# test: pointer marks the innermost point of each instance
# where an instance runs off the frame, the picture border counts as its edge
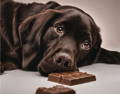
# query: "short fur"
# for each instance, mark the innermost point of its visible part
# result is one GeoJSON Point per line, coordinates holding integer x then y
{"type": "Point", "coordinates": [28, 40]}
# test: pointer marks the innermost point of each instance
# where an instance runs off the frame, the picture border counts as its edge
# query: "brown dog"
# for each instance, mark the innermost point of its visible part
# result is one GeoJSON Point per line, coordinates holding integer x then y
{"type": "Point", "coordinates": [49, 38]}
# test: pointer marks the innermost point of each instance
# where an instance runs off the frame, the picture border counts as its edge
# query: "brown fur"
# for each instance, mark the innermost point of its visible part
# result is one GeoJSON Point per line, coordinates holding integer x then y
{"type": "Point", "coordinates": [26, 43]}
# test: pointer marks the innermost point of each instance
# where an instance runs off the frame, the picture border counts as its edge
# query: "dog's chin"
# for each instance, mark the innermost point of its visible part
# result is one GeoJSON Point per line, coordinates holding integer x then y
{"type": "Point", "coordinates": [48, 66]}
{"type": "Point", "coordinates": [43, 72]}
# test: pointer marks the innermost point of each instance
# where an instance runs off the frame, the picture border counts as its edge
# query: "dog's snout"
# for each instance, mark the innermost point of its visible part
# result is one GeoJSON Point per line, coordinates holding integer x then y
{"type": "Point", "coordinates": [63, 59]}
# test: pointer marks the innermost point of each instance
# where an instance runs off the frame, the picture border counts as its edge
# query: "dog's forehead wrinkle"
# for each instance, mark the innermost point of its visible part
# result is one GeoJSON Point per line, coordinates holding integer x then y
{"type": "Point", "coordinates": [74, 10]}
{"type": "Point", "coordinates": [74, 21]}
{"type": "Point", "coordinates": [69, 18]}
{"type": "Point", "coordinates": [67, 14]}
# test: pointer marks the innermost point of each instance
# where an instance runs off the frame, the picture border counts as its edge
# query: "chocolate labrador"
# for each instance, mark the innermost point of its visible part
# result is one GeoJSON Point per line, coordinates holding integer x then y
{"type": "Point", "coordinates": [49, 38]}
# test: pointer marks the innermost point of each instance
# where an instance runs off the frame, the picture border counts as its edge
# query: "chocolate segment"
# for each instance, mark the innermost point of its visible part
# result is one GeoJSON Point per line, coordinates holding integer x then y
{"type": "Point", "coordinates": [55, 90]}
{"type": "Point", "coordinates": [71, 78]}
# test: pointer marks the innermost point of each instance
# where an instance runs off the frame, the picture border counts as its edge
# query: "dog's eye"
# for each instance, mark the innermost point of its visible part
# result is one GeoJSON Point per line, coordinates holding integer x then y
{"type": "Point", "coordinates": [59, 30]}
{"type": "Point", "coordinates": [85, 45]}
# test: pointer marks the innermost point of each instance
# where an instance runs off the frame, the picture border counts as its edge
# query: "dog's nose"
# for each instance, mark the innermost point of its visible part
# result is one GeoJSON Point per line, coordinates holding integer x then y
{"type": "Point", "coordinates": [63, 60]}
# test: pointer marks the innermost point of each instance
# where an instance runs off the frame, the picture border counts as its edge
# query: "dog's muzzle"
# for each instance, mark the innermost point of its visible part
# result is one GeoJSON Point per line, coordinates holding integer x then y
{"type": "Point", "coordinates": [63, 59]}
{"type": "Point", "coordinates": [60, 62]}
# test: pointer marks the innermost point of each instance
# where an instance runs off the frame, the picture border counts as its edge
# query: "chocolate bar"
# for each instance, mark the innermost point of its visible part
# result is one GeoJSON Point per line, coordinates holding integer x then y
{"type": "Point", "coordinates": [55, 90]}
{"type": "Point", "coordinates": [71, 78]}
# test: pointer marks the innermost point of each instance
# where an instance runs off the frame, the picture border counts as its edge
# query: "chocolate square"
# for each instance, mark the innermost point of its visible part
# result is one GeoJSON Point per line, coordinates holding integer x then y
{"type": "Point", "coordinates": [55, 90]}
{"type": "Point", "coordinates": [71, 78]}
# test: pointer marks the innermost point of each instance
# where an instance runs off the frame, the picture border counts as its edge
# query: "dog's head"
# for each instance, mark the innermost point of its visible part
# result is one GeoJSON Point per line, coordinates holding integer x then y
{"type": "Point", "coordinates": [66, 35]}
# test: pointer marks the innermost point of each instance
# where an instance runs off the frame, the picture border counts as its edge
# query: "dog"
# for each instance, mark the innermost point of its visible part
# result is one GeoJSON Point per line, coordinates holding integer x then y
{"type": "Point", "coordinates": [49, 38]}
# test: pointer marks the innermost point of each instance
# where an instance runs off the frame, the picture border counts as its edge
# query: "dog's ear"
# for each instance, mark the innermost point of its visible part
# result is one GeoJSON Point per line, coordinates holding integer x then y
{"type": "Point", "coordinates": [96, 46]}
{"type": "Point", "coordinates": [96, 43]}
{"type": "Point", "coordinates": [96, 37]}
{"type": "Point", "coordinates": [98, 54]}
{"type": "Point", "coordinates": [51, 5]}
{"type": "Point", "coordinates": [31, 31]}
{"type": "Point", "coordinates": [103, 55]}
{"type": "Point", "coordinates": [37, 22]}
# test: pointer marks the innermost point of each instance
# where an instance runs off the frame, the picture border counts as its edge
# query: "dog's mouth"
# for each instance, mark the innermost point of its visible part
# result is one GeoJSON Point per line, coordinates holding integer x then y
{"type": "Point", "coordinates": [59, 62]}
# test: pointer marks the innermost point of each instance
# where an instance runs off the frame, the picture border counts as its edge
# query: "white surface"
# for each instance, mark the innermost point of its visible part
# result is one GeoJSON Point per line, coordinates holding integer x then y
{"type": "Point", "coordinates": [22, 82]}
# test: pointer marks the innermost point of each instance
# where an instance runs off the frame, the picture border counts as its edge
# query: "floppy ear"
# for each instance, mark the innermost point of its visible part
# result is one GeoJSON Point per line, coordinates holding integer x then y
{"type": "Point", "coordinates": [31, 31]}
{"type": "Point", "coordinates": [35, 22]}
{"type": "Point", "coordinates": [101, 55]}
{"type": "Point", "coordinates": [98, 54]}
{"type": "Point", "coordinates": [96, 46]}
{"type": "Point", "coordinates": [96, 42]}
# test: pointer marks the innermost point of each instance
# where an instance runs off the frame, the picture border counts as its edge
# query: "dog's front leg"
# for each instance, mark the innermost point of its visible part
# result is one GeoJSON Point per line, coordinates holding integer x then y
{"type": "Point", "coordinates": [1, 68]}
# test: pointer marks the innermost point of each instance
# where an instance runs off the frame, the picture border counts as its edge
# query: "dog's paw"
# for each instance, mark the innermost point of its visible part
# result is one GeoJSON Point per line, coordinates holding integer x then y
{"type": "Point", "coordinates": [2, 69]}
{"type": "Point", "coordinates": [9, 66]}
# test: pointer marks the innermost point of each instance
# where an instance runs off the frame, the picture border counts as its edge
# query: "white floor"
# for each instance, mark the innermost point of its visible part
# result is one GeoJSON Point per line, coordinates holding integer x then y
{"type": "Point", "coordinates": [22, 82]}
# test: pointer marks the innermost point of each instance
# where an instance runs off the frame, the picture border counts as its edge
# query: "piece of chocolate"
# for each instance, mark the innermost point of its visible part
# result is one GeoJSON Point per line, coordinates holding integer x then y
{"type": "Point", "coordinates": [58, 89]}
{"type": "Point", "coordinates": [71, 78]}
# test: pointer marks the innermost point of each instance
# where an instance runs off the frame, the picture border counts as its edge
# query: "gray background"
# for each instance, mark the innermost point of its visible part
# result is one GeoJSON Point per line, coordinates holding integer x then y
{"type": "Point", "coordinates": [106, 14]}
